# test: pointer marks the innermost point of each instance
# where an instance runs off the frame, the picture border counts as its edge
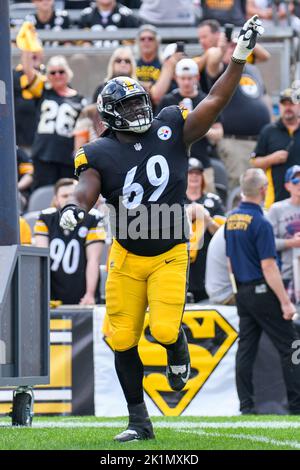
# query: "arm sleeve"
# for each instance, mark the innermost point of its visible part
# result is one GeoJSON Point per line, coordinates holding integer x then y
{"type": "Point", "coordinates": [96, 232]}
{"type": "Point", "coordinates": [40, 227]}
{"type": "Point", "coordinates": [80, 161]}
{"type": "Point", "coordinates": [265, 241]}
{"type": "Point", "coordinates": [36, 87]}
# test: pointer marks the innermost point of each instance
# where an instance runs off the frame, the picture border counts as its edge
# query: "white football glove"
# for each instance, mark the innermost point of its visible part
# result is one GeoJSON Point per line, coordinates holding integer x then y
{"type": "Point", "coordinates": [247, 39]}
{"type": "Point", "coordinates": [70, 216]}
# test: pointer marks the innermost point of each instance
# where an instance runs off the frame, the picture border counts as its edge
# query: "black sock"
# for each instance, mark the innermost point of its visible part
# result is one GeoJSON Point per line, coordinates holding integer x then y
{"type": "Point", "coordinates": [130, 371]}
{"type": "Point", "coordinates": [173, 346]}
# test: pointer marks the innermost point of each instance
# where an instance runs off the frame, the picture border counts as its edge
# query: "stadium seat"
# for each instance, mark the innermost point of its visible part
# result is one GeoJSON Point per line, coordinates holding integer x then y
{"type": "Point", "coordinates": [41, 198]}
{"type": "Point", "coordinates": [31, 218]}
{"type": "Point", "coordinates": [233, 198]}
{"type": "Point", "coordinates": [221, 179]}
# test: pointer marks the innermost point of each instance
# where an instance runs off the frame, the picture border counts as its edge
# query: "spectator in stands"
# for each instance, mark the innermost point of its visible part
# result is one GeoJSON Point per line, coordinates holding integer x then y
{"type": "Point", "coordinates": [262, 301]}
{"type": "Point", "coordinates": [168, 12]}
{"type": "Point", "coordinates": [25, 103]}
{"type": "Point", "coordinates": [245, 115]}
{"type": "Point", "coordinates": [59, 108]}
{"type": "Point", "coordinates": [121, 62]}
{"type": "Point", "coordinates": [285, 219]}
{"type": "Point", "coordinates": [48, 17]}
{"type": "Point", "coordinates": [278, 147]}
{"type": "Point", "coordinates": [108, 14]}
{"type": "Point", "coordinates": [210, 36]}
{"type": "Point", "coordinates": [275, 12]}
{"type": "Point", "coordinates": [75, 256]}
{"type": "Point", "coordinates": [211, 210]}
{"type": "Point", "coordinates": [148, 63]}
{"type": "Point", "coordinates": [89, 126]}
{"type": "Point", "coordinates": [227, 11]}
{"type": "Point", "coordinates": [25, 175]}
{"type": "Point", "coordinates": [189, 95]}
{"type": "Point", "coordinates": [217, 280]}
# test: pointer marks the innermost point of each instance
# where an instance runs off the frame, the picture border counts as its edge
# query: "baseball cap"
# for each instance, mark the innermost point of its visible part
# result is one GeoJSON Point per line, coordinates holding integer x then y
{"type": "Point", "coordinates": [286, 94]}
{"type": "Point", "coordinates": [195, 164]}
{"type": "Point", "coordinates": [291, 172]}
{"type": "Point", "coordinates": [186, 67]}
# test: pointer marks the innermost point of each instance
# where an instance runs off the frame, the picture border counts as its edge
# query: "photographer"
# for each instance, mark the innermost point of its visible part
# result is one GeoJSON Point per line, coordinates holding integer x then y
{"type": "Point", "coordinates": [278, 147]}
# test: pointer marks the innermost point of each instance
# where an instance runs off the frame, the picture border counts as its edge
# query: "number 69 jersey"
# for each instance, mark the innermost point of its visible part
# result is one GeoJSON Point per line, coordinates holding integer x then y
{"type": "Point", "coordinates": [144, 183]}
{"type": "Point", "coordinates": [68, 252]}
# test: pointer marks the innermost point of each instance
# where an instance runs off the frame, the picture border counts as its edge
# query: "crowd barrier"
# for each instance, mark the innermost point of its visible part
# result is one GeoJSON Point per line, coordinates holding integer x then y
{"type": "Point", "coordinates": [84, 382]}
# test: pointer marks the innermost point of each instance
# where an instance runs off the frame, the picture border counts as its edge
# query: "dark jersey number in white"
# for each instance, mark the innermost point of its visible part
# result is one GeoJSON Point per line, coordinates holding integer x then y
{"type": "Point", "coordinates": [133, 192]}
{"type": "Point", "coordinates": [55, 118]}
{"type": "Point", "coordinates": [66, 255]}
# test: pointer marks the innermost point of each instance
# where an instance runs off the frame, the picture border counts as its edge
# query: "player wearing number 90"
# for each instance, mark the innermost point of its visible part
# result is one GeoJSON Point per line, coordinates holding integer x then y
{"type": "Point", "coordinates": [74, 256]}
{"type": "Point", "coordinates": [138, 163]}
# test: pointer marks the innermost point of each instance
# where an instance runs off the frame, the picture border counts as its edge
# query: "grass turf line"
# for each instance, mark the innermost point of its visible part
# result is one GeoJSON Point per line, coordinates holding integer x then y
{"type": "Point", "coordinates": [184, 437]}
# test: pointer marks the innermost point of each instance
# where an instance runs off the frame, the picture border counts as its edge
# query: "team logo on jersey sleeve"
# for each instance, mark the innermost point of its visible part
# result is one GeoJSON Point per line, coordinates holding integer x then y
{"type": "Point", "coordinates": [164, 133]}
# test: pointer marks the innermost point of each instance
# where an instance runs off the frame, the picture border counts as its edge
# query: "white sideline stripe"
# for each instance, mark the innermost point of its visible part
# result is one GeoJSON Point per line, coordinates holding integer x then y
{"type": "Point", "coordinates": [60, 337]}
{"type": "Point", "coordinates": [249, 437]}
{"type": "Point", "coordinates": [161, 424]}
{"type": "Point", "coordinates": [45, 395]}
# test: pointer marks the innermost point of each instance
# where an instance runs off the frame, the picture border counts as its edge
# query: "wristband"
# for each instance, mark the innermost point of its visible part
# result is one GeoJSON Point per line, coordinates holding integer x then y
{"type": "Point", "coordinates": [237, 61]}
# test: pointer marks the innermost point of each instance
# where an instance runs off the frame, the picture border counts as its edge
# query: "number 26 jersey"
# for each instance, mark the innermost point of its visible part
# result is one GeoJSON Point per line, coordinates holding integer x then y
{"type": "Point", "coordinates": [144, 183]}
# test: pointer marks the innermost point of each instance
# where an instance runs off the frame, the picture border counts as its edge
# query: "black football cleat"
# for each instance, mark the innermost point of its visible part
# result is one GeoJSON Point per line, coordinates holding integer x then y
{"type": "Point", "coordinates": [139, 426]}
{"type": "Point", "coordinates": [179, 365]}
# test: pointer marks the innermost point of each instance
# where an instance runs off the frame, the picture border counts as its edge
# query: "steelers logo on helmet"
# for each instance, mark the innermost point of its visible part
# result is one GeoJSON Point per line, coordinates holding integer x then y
{"type": "Point", "coordinates": [124, 105]}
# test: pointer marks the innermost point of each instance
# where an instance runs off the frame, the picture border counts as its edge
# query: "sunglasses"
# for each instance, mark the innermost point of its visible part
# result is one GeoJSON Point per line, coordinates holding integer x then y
{"type": "Point", "coordinates": [147, 38]}
{"type": "Point", "coordinates": [119, 60]}
{"type": "Point", "coordinates": [54, 72]}
{"type": "Point", "coordinates": [295, 180]}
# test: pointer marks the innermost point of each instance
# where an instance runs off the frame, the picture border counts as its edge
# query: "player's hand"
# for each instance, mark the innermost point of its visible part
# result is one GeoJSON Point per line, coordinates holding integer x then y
{"type": "Point", "coordinates": [289, 311]}
{"type": "Point", "coordinates": [247, 38]}
{"type": "Point", "coordinates": [87, 299]}
{"type": "Point", "coordinates": [70, 216]}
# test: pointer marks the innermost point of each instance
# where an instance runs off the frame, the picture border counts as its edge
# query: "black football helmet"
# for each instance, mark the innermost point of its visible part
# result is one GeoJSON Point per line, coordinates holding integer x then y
{"type": "Point", "coordinates": [124, 105]}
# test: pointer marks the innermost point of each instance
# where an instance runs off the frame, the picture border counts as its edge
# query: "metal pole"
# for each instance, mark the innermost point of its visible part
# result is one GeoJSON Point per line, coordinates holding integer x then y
{"type": "Point", "coordinates": [9, 213]}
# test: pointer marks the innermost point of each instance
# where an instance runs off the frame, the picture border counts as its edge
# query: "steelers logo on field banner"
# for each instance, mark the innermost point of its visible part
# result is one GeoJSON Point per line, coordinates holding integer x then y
{"type": "Point", "coordinates": [249, 86]}
{"type": "Point", "coordinates": [164, 133]}
{"type": "Point", "coordinates": [209, 335]}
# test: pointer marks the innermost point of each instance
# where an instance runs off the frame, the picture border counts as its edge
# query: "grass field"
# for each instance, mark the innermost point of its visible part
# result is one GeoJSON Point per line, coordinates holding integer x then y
{"type": "Point", "coordinates": [185, 433]}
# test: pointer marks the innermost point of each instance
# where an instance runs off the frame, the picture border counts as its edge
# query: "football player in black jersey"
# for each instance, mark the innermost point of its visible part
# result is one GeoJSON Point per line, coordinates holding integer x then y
{"type": "Point", "coordinates": [74, 256]}
{"type": "Point", "coordinates": [140, 165]}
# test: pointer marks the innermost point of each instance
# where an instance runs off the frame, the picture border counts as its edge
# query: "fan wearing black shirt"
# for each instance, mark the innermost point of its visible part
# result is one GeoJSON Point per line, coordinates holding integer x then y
{"type": "Point", "coordinates": [108, 14]}
{"type": "Point", "coordinates": [47, 17]}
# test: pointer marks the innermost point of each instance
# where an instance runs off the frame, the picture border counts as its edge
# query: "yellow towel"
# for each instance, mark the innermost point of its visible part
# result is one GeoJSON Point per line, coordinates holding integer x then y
{"type": "Point", "coordinates": [27, 38]}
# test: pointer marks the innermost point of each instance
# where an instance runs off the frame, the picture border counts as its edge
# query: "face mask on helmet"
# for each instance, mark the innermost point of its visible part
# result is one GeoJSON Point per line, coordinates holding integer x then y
{"type": "Point", "coordinates": [131, 111]}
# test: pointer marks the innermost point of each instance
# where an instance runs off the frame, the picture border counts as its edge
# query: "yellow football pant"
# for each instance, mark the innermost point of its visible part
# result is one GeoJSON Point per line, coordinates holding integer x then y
{"type": "Point", "coordinates": [135, 282]}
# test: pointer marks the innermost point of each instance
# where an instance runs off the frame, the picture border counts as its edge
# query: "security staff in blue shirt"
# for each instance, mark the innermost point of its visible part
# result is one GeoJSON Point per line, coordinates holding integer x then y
{"type": "Point", "coordinates": [262, 302]}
